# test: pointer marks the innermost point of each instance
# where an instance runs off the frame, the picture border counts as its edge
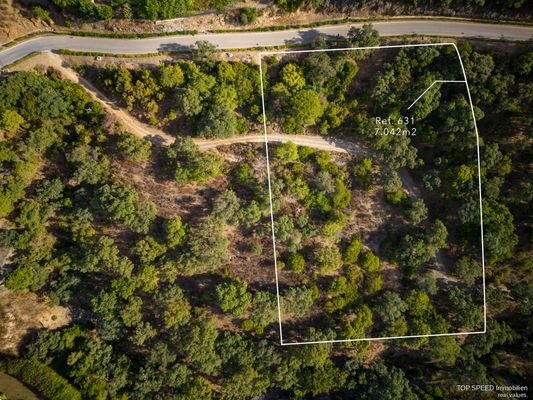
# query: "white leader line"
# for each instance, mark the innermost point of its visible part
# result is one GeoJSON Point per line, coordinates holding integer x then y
{"type": "Point", "coordinates": [429, 87]}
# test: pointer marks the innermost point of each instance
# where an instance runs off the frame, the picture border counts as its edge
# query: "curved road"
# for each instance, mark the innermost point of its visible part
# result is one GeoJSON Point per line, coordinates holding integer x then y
{"type": "Point", "coordinates": [258, 39]}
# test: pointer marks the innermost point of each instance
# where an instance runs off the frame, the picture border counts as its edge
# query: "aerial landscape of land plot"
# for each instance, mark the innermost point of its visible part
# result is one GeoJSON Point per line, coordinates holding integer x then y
{"type": "Point", "coordinates": [328, 203]}
{"type": "Point", "coordinates": [334, 225]}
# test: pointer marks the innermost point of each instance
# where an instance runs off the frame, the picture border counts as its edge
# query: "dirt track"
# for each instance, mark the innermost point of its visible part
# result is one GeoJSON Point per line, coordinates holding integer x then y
{"type": "Point", "coordinates": [145, 131]}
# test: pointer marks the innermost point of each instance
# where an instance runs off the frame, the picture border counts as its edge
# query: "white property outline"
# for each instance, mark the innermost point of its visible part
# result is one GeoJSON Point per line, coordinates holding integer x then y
{"type": "Point", "coordinates": [260, 54]}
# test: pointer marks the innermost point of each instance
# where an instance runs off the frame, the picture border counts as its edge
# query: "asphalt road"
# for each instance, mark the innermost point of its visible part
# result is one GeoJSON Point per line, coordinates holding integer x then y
{"type": "Point", "coordinates": [257, 39]}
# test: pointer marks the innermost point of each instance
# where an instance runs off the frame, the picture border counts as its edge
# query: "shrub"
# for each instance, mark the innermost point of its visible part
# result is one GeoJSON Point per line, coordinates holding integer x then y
{"type": "Point", "coordinates": [397, 197]}
{"type": "Point", "coordinates": [104, 12]}
{"type": "Point", "coordinates": [370, 262]}
{"type": "Point", "coordinates": [248, 15]}
{"type": "Point", "coordinates": [39, 12]}
{"type": "Point", "coordinates": [133, 147]}
{"type": "Point", "coordinates": [296, 262]}
{"type": "Point", "coordinates": [43, 379]}
{"type": "Point", "coordinates": [232, 295]}
{"type": "Point", "coordinates": [287, 152]}
{"type": "Point", "coordinates": [352, 250]}
{"type": "Point", "coordinates": [328, 259]}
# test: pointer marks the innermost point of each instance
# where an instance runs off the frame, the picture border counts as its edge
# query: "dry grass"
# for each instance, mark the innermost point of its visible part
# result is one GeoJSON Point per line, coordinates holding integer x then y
{"type": "Point", "coordinates": [23, 312]}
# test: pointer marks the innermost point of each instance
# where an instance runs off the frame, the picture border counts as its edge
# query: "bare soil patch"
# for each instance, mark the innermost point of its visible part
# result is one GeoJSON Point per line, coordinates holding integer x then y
{"type": "Point", "coordinates": [23, 312]}
{"type": "Point", "coordinates": [16, 21]}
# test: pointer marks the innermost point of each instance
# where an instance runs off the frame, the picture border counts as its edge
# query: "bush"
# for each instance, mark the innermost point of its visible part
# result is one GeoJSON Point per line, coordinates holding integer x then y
{"type": "Point", "coordinates": [39, 12]}
{"type": "Point", "coordinates": [397, 197]}
{"type": "Point", "coordinates": [232, 295]}
{"type": "Point", "coordinates": [287, 152]}
{"type": "Point", "coordinates": [133, 147]}
{"type": "Point", "coordinates": [43, 379]}
{"type": "Point", "coordinates": [370, 262]}
{"type": "Point", "coordinates": [283, 228]}
{"type": "Point", "coordinates": [296, 262]}
{"type": "Point", "coordinates": [248, 15]}
{"type": "Point", "coordinates": [176, 231]}
{"type": "Point", "coordinates": [328, 259]}
{"type": "Point", "coordinates": [352, 250]}
{"type": "Point", "coordinates": [104, 12]}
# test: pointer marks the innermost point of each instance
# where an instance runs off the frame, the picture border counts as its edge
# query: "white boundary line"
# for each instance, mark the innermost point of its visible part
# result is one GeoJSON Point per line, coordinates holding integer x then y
{"type": "Point", "coordinates": [260, 55]}
{"type": "Point", "coordinates": [270, 201]}
{"type": "Point", "coordinates": [429, 87]}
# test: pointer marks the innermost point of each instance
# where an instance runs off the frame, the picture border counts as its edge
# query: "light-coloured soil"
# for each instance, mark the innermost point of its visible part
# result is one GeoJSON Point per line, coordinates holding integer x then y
{"type": "Point", "coordinates": [268, 16]}
{"type": "Point", "coordinates": [15, 22]}
{"type": "Point", "coordinates": [23, 312]}
{"type": "Point", "coordinates": [14, 389]}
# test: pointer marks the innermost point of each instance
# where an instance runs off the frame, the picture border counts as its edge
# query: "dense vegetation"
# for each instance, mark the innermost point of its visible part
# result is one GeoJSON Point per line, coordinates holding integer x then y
{"type": "Point", "coordinates": [146, 9]}
{"type": "Point", "coordinates": [167, 9]}
{"type": "Point", "coordinates": [182, 304]}
{"type": "Point", "coordinates": [208, 99]}
{"type": "Point", "coordinates": [416, 7]}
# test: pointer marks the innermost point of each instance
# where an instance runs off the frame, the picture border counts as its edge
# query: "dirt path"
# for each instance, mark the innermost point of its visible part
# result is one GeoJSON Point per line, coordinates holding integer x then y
{"type": "Point", "coordinates": [145, 131]}
{"type": "Point", "coordinates": [22, 312]}
{"type": "Point", "coordinates": [129, 123]}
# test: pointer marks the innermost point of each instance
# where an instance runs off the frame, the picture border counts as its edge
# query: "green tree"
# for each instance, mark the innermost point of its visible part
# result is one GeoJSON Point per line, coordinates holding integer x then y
{"type": "Point", "coordinates": [316, 355]}
{"type": "Point", "coordinates": [176, 310]}
{"type": "Point", "coordinates": [42, 14]}
{"type": "Point", "coordinates": [383, 382]}
{"type": "Point", "coordinates": [10, 120]}
{"type": "Point", "coordinates": [328, 259]}
{"type": "Point", "coordinates": [417, 212]}
{"type": "Point", "coordinates": [283, 227]}
{"type": "Point", "coordinates": [262, 313]}
{"type": "Point", "coordinates": [363, 173]}
{"type": "Point", "coordinates": [226, 206]}
{"type": "Point", "coordinates": [323, 380]}
{"type": "Point", "coordinates": [196, 389]}
{"type": "Point", "coordinates": [355, 328]}
{"type": "Point", "coordinates": [419, 303]}
{"type": "Point", "coordinates": [292, 77]}
{"type": "Point", "coordinates": [297, 301]}
{"type": "Point", "coordinates": [148, 249]}
{"type": "Point", "coordinates": [131, 312]}
{"type": "Point", "coordinates": [366, 36]}
{"type": "Point", "coordinates": [171, 76]}
{"type": "Point", "coordinates": [187, 164]}
{"type": "Point", "coordinates": [232, 295]}
{"type": "Point", "coordinates": [134, 148]}
{"type": "Point", "coordinates": [203, 51]}
{"type": "Point", "coordinates": [176, 231]}
{"type": "Point", "coordinates": [352, 250]}
{"type": "Point", "coordinates": [198, 344]}
{"type": "Point", "coordinates": [369, 262]}
{"type": "Point", "coordinates": [468, 313]}
{"type": "Point", "coordinates": [499, 233]}
{"type": "Point", "coordinates": [248, 15]}
{"type": "Point", "coordinates": [296, 262]}
{"type": "Point", "coordinates": [207, 247]}
{"type": "Point", "coordinates": [304, 109]}
{"type": "Point", "coordinates": [468, 269]}
{"type": "Point", "coordinates": [217, 121]}
{"type": "Point", "coordinates": [286, 152]}
{"type": "Point", "coordinates": [390, 307]}
{"type": "Point", "coordinates": [104, 12]}
{"type": "Point", "coordinates": [145, 213]}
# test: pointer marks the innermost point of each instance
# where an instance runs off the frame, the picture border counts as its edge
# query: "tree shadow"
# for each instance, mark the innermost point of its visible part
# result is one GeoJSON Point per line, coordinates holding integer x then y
{"type": "Point", "coordinates": [308, 35]}
{"type": "Point", "coordinates": [172, 47]}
